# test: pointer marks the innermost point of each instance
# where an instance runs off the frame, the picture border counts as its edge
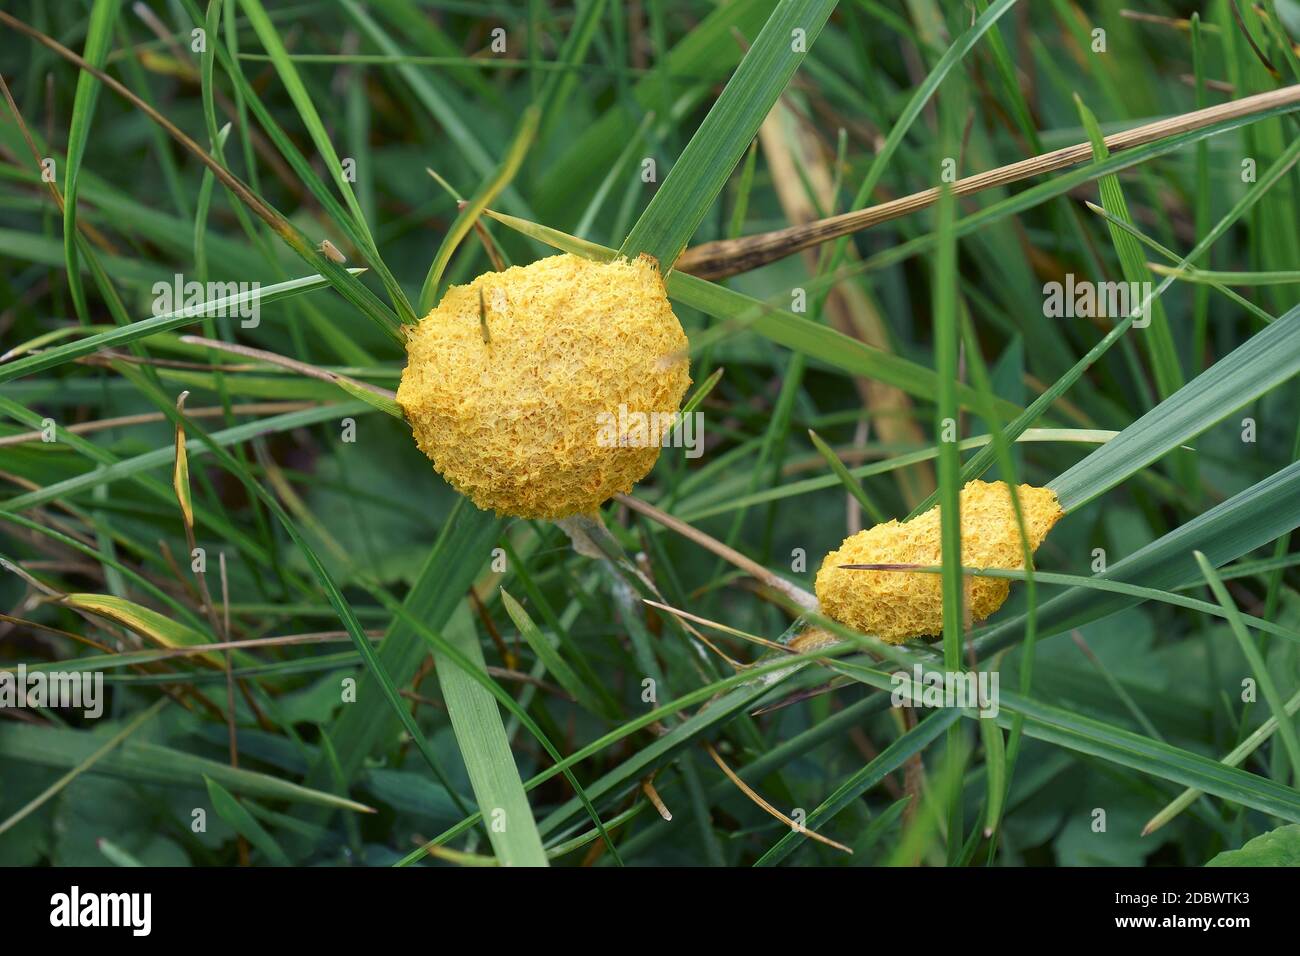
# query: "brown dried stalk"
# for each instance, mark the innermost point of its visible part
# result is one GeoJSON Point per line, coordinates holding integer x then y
{"type": "Point", "coordinates": [755, 570]}
{"type": "Point", "coordinates": [726, 257]}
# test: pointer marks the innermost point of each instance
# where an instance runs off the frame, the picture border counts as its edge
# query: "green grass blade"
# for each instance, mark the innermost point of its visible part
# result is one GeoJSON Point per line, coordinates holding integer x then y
{"type": "Point", "coordinates": [1248, 520]}
{"type": "Point", "coordinates": [99, 37]}
{"type": "Point", "coordinates": [447, 573]}
{"type": "Point", "coordinates": [162, 457]}
{"type": "Point", "coordinates": [705, 165]}
{"type": "Point", "coordinates": [735, 697]}
{"type": "Point", "coordinates": [1188, 275]}
{"type": "Point", "coordinates": [1062, 727]}
{"type": "Point", "coordinates": [244, 823]}
{"type": "Point", "coordinates": [486, 752]}
{"type": "Point", "coordinates": [981, 461]}
{"type": "Point", "coordinates": [548, 654]}
{"type": "Point", "coordinates": [270, 38]}
{"type": "Point", "coordinates": [1264, 361]}
{"type": "Point", "coordinates": [851, 484]}
{"type": "Point", "coordinates": [784, 328]}
{"type": "Point", "coordinates": [1286, 729]}
{"type": "Point", "coordinates": [890, 759]}
{"type": "Point", "coordinates": [1156, 336]}
{"type": "Point", "coordinates": [178, 318]}
{"type": "Point", "coordinates": [995, 764]}
{"type": "Point", "coordinates": [1234, 758]}
{"type": "Point", "coordinates": [951, 58]}
{"type": "Point", "coordinates": [153, 763]}
{"type": "Point", "coordinates": [1135, 591]}
{"type": "Point", "coordinates": [469, 215]}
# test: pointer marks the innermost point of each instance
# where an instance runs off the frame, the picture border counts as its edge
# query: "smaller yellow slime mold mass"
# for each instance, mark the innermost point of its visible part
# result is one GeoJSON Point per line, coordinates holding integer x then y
{"type": "Point", "coordinates": [896, 605]}
{"type": "Point", "coordinates": [509, 379]}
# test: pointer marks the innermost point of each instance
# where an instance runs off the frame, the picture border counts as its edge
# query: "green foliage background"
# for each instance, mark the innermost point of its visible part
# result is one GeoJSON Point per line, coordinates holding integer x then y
{"type": "Point", "coordinates": [322, 121]}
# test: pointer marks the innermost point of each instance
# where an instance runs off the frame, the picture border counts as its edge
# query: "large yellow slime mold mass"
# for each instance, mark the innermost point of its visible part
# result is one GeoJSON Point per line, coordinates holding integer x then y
{"type": "Point", "coordinates": [508, 380]}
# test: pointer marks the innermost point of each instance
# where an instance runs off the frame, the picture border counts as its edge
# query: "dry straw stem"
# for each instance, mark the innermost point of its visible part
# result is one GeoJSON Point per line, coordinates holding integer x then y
{"type": "Point", "coordinates": [755, 570]}
{"type": "Point", "coordinates": [750, 792]}
{"type": "Point", "coordinates": [148, 418]}
{"type": "Point", "coordinates": [717, 626]}
{"type": "Point", "coordinates": [302, 368]}
{"type": "Point", "coordinates": [87, 229]}
{"type": "Point", "coordinates": [727, 257]}
{"type": "Point", "coordinates": [648, 788]}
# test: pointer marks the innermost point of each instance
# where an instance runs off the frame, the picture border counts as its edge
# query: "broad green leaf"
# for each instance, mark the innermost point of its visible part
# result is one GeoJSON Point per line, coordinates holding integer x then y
{"type": "Point", "coordinates": [138, 721]}
{"type": "Point", "coordinates": [1280, 847]}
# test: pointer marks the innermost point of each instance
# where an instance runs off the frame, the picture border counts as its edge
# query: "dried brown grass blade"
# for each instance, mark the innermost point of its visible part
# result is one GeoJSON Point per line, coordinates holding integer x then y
{"type": "Point", "coordinates": [755, 570]}
{"type": "Point", "coordinates": [717, 260]}
{"type": "Point", "coordinates": [749, 791]}
{"type": "Point", "coordinates": [274, 358]}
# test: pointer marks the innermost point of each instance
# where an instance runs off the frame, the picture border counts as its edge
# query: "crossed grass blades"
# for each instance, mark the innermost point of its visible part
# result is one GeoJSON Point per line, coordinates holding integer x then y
{"type": "Point", "coordinates": [496, 695]}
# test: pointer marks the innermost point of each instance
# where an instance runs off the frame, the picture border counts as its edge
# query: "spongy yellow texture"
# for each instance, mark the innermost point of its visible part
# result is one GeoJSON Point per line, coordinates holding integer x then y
{"type": "Point", "coordinates": [514, 422]}
{"type": "Point", "coordinates": [896, 605]}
